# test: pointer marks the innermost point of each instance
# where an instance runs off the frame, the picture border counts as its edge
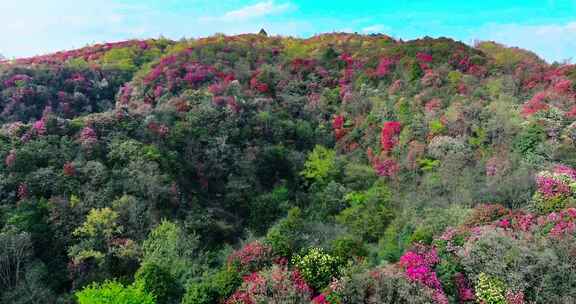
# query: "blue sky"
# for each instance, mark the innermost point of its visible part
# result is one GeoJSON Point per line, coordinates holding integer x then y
{"type": "Point", "coordinates": [30, 27]}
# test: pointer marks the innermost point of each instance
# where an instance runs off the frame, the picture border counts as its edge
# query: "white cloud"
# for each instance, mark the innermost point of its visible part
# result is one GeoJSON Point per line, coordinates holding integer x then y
{"type": "Point", "coordinates": [258, 10]}
{"type": "Point", "coordinates": [57, 25]}
{"type": "Point", "coordinates": [553, 42]}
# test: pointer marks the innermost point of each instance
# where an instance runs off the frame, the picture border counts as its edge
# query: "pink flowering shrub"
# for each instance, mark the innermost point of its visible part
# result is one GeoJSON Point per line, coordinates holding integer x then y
{"type": "Point", "coordinates": [338, 127]}
{"type": "Point", "coordinates": [388, 135]}
{"type": "Point", "coordinates": [433, 106]}
{"type": "Point", "coordinates": [419, 267]}
{"type": "Point", "coordinates": [514, 297]}
{"type": "Point", "coordinates": [16, 80]}
{"type": "Point", "coordinates": [430, 79]}
{"type": "Point", "coordinates": [88, 137]}
{"type": "Point", "coordinates": [563, 86]}
{"type": "Point", "coordinates": [158, 129]}
{"type": "Point", "coordinates": [555, 188]}
{"type": "Point", "coordinates": [252, 257]}
{"type": "Point", "coordinates": [536, 104]}
{"type": "Point", "coordinates": [274, 285]}
{"type": "Point", "coordinates": [520, 236]}
{"type": "Point", "coordinates": [384, 67]}
{"type": "Point", "coordinates": [465, 291]}
{"type": "Point", "coordinates": [39, 127]}
{"type": "Point", "coordinates": [386, 167]}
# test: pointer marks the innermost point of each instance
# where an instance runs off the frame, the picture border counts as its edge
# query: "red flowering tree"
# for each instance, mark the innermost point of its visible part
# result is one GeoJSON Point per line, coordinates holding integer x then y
{"type": "Point", "coordinates": [536, 104]}
{"type": "Point", "coordinates": [384, 67]}
{"type": "Point", "coordinates": [338, 127]}
{"type": "Point", "coordinates": [389, 134]}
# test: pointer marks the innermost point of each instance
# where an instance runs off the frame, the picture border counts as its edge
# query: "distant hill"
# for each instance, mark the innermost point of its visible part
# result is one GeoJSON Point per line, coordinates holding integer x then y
{"type": "Point", "coordinates": [341, 168]}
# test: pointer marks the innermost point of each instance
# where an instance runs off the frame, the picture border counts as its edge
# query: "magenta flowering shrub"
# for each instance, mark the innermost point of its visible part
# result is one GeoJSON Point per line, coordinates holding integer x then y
{"type": "Point", "coordinates": [88, 138]}
{"type": "Point", "coordinates": [385, 66]}
{"type": "Point", "coordinates": [419, 267]}
{"type": "Point", "coordinates": [277, 284]}
{"type": "Point", "coordinates": [536, 104]}
{"type": "Point", "coordinates": [17, 80]}
{"type": "Point", "coordinates": [464, 288]}
{"type": "Point", "coordinates": [178, 72]}
{"type": "Point", "coordinates": [389, 134]}
{"type": "Point", "coordinates": [526, 238]}
{"type": "Point", "coordinates": [556, 188]}
{"type": "Point", "coordinates": [90, 53]}
{"type": "Point", "coordinates": [252, 257]}
{"type": "Point", "coordinates": [433, 106]}
{"type": "Point", "coordinates": [386, 167]}
{"type": "Point", "coordinates": [338, 127]}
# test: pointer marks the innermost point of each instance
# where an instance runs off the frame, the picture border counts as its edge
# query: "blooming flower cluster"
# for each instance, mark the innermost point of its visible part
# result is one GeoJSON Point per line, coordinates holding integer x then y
{"type": "Point", "coordinates": [352, 66]}
{"type": "Point", "coordinates": [465, 291]}
{"type": "Point", "coordinates": [252, 256]}
{"type": "Point", "coordinates": [178, 71]}
{"type": "Point", "coordinates": [563, 86]}
{"type": "Point", "coordinates": [16, 80]}
{"type": "Point", "coordinates": [90, 53]}
{"type": "Point", "coordinates": [433, 106]}
{"type": "Point", "coordinates": [39, 127]}
{"type": "Point", "coordinates": [159, 129]}
{"type": "Point", "coordinates": [388, 135]}
{"type": "Point", "coordinates": [275, 285]}
{"type": "Point", "coordinates": [386, 168]}
{"type": "Point", "coordinates": [338, 127]}
{"type": "Point", "coordinates": [258, 85]}
{"type": "Point", "coordinates": [562, 222]}
{"type": "Point", "coordinates": [555, 187]}
{"type": "Point", "coordinates": [535, 104]}
{"type": "Point", "coordinates": [424, 60]}
{"type": "Point", "coordinates": [419, 267]}
{"type": "Point", "coordinates": [88, 137]}
{"type": "Point", "coordinates": [514, 297]}
{"type": "Point", "coordinates": [384, 67]}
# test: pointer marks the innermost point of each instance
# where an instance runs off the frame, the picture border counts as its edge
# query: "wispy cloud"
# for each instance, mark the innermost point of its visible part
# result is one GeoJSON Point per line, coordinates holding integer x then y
{"type": "Point", "coordinates": [258, 10]}
{"type": "Point", "coordinates": [375, 28]}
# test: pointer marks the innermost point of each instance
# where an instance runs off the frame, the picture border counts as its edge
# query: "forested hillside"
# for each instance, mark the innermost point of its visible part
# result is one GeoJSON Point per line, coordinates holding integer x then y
{"type": "Point", "coordinates": [253, 169]}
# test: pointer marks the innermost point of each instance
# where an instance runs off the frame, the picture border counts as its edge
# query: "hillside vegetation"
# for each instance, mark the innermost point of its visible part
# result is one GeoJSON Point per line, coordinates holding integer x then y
{"type": "Point", "coordinates": [252, 169]}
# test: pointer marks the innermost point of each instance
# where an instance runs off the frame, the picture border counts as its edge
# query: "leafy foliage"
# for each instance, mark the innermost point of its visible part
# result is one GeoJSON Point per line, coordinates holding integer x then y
{"type": "Point", "coordinates": [341, 168]}
{"type": "Point", "coordinates": [113, 292]}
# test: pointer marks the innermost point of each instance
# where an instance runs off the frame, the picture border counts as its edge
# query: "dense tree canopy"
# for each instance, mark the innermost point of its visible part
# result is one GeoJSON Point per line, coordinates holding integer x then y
{"type": "Point", "coordinates": [258, 169]}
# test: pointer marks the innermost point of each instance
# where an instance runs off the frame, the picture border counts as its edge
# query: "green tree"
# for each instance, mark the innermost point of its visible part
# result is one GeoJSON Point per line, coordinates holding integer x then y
{"type": "Point", "coordinates": [172, 249]}
{"type": "Point", "coordinates": [112, 292]}
{"type": "Point", "coordinates": [320, 165]}
{"type": "Point", "coordinates": [158, 282]}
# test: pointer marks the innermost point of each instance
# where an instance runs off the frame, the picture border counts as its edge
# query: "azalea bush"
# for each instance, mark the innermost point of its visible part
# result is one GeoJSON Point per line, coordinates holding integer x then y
{"type": "Point", "coordinates": [556, 189]}
{"type": "Point", "coordinates": [274, 285]}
